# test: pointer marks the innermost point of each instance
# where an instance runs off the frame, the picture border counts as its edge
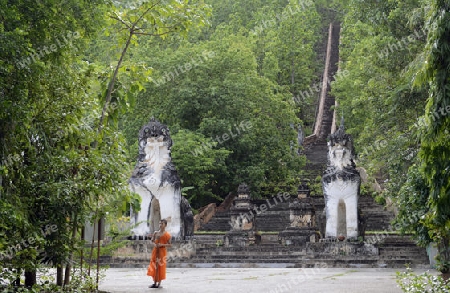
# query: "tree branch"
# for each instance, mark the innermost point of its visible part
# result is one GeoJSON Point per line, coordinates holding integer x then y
{"type": "Point", "coordinates": [121, 20]}
{"type": "Point", "coordinates": [112, 82]}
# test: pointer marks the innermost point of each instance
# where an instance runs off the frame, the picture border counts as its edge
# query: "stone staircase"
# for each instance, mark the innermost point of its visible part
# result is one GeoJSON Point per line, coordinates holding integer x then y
{"type": "Point", "coordinates": [219, 222]}
{"type": "Point", "coordinates": [316, 159]}
{"type": "Point", "coordinates": [396, 249]}
{"type": "Point", "coordinates": [315, 146]}
{"type": "Point", "coordinates": [392, 251]}
{"type": "Point", "coordinates": [277, 218]}
{"type": "Point", "coordinates": [377, 217]}
{"type": "Point", "coordinates": [208, 250]}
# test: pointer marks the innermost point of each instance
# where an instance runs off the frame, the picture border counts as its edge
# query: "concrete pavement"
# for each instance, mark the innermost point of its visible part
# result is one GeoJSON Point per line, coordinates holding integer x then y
{"type": "Point", "coordinates": [271, 280]}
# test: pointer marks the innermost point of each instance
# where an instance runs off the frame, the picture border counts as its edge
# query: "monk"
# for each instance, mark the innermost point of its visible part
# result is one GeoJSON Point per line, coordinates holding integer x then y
{"type": "Point", "coordinates": [158, 260]}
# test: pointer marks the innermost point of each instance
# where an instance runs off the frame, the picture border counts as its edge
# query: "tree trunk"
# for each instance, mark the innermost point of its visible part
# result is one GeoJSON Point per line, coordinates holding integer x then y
{"type": "Point", "coordinates": [112, 82]}
{"type": "Point", "coordinates": [92, 251]}
{"type": "Point", "coordinates": [99, 236]}
{"type": "Point", "coordinates": [81, 252]}
{"type": "Point", "coordinates": [69, 264]}
{"type": "Point", "coordinates": [30, 278]}
{"type": "Point", "coordinates": [67, 273]}
{"type": "Point", "coordinates": [59, 275]}
{"type": "Point", "coordinates": [16, 282]}
{"type": "Point", "coordinates": [444, 255]}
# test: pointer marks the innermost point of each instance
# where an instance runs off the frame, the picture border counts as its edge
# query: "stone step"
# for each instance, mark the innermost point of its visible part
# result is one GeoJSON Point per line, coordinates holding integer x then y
{"type": "Point", "coordinates": [398, 241]}
{"type": "Point", "coordinates": [306, 263]}
{"type": "Point", "coordinates": [208, 239]}
{"type": "Point", "coordinates": [400, 251]}
{"type": "Point", "coordinates": [289, 251]}
{"type": "Point", "coordinates": [287, 259]}
{"type": "Point", "coordinates": [219, 222]}
{"type": "Point", "coordinates": [277, 219]}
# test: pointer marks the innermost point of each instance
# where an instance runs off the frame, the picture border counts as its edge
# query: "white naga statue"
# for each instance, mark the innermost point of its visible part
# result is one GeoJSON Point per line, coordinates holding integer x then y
{"type": "Point", "coordinates": [156, 180]}
{"type": "Point", "coordinates": [341, 183]}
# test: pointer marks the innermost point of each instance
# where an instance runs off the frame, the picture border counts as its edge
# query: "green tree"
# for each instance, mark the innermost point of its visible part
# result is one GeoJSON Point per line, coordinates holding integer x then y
{"type": "Point", "coordinates": [212, 89]}
{"type": "Point", "coordinates": [435, 140]}
{"type": "Point", "coordinates": [44, 99]}
{"type": "Point", "coordinates": [152, 19]}
{"type": "Point", "coordinates": [199, 162]}
{"type": "Point", "coordinates": [395, 94]}
{"type": "Point", "coordinates": [63, 162]}
{"type": "Point", "coordinates": [378, 53]}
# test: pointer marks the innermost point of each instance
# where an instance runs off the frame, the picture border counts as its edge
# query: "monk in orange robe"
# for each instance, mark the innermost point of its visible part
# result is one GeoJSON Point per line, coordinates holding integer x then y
{"type": "Point", "coordinates": [158, 260]}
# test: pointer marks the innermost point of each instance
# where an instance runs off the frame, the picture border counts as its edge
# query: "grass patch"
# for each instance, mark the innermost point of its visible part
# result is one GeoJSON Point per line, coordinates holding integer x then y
{"type": "Point", "coordinates": [382, 232]}
{"type": "Point", "coordinates": [283, 273]}
{"type": "Point", "coordinates": [209, 233]}
{"type": "Point", "coordinates": [251, 278]}
{"type": "Point", "coordinates": [225, 232]}
{"type": "Point", "coordinates": [333, 277]}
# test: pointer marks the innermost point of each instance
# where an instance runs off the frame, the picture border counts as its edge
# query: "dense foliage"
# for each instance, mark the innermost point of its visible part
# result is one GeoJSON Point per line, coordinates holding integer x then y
{"type": "Point", "coordinates": [395, 98]}
{"type": "Point", "coordinates": [228, 95]}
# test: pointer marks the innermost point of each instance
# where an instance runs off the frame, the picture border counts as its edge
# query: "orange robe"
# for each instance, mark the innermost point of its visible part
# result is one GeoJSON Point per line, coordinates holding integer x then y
{"type": "Point", "coordinates": [157, 267]}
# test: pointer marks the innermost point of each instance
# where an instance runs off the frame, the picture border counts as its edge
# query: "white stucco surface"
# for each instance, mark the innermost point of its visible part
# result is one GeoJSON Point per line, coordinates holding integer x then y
{"type": "Point", "coordinates": [152, 193]}
{"type": "Point", "coordinates": [347, 192]}
{"type": "Point", "coordinates": [341, 192]}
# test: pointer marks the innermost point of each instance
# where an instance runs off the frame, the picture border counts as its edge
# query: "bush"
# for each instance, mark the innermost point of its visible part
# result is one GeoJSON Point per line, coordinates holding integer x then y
{"type": "Point", "coordinates": [80, 282]}
{"type": "Point", "coordinates": [380, 199]}
{"type": "Point", "coordinates": [423, 283]}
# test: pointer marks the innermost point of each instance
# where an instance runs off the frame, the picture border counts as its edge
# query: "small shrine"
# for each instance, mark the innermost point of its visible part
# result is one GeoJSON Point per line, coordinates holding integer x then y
{"type": "Point", "coordinates": [242, 219]}
{"type": "Point", "coordinates": [241, 216]}
{"type": "Point", "coordinates": [302, 218]}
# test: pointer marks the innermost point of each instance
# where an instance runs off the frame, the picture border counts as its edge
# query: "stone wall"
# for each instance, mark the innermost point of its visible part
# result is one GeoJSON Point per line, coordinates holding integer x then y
{"type": "Point", "coordinates": [137, 254]}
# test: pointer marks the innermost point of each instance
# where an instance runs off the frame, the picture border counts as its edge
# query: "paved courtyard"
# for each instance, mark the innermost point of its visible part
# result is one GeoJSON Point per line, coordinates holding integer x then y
{"type": "Point", "coordinates": [311, 280]}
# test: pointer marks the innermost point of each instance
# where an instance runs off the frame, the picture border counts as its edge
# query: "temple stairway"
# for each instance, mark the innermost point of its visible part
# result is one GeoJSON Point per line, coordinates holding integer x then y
{"type": "Point", "coordinates": [277, 218]}
{"type": "Point", "coordinates": [220, 222]}
{"type": "Point", "coordinates": [274, 219]}
{"type": "Point", "coordinates": [315, 145]}
{"type": "Point", "coordinates": [394, 251]}
{"type": "Point", "coordinates": [391, 254]}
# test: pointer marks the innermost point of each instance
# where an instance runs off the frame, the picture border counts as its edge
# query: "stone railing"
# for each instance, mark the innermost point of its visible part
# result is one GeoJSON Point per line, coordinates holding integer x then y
{"type": "Point", "coordinates": [204, 216]}
{"type": "Point", "coordinates": [323, 94]}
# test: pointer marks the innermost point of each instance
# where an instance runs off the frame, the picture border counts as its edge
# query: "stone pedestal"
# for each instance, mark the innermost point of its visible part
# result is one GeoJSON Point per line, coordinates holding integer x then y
{"type": "Point", "coordinates": [302, 214]}
{"type": "Point", "coordinates": [298, 236]}
{"type": "Point", "coordinates": [239, 239]}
